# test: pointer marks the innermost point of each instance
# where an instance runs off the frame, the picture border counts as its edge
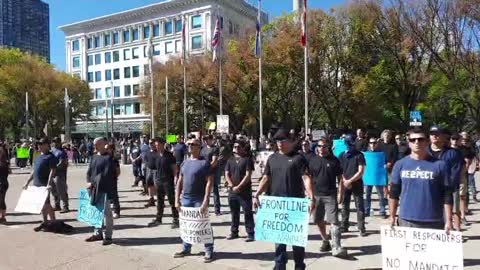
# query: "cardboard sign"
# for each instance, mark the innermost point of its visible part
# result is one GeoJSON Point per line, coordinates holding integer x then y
{"type": "Point", "coordinates": [375, 170]}
{"type": "Point", "coordinates": [91, 214]}
{"type": "Point", "coordinates": [32, 200]}
{"type": "Point", "coordinates": [171, 138]}
{"type": "Point", "coordinates": [195, 227]}
{"type": "Point", "coordinates": [222, 123]}
{"type": "Point", "coordinates": [318, 134]}
{"type": "Point", "coordinates": [416, 119]}
{"type": "Point", "coordinates": [411, 248]}
{"type": "Point", "coordinates": [283, 220]}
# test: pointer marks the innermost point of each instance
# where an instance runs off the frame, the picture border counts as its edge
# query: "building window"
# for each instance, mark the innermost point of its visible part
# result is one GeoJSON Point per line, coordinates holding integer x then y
{"type": "Point", "coordinates": [108, 75]}
{"type": "Point", "coordinates": [127, 72]}
{"type": "Point", "coordinates": [178, 26]}
{"type": "Point", "coordinates": [156, 30]}
{"type": "Point", "coordinates": [116, 38]}
{"type": "Point", "coordinates": [116, 56]}
{"type": "Point", "coordinates": [136, 108]}
{"type": "Point", "coordinates": [135, 35]}
{"type": "Point", "coordinates": [90, 77]}
{"type": "Point", "coordinates": [156, 49]}
{"type": "Point", "coordinates": [116, 74]}
{"type": "Point", "coordinates": [75, 45]}
{"type": "Point", "coordinates": [197, 42]}
{"type": "Point", "coordinates": [168, 47]}
{"type": "Point", "coordinates": [129, 109]}
{"type": "Point", "coordinates": [136, 71]}
{"type": "Point", "coordinates": [117, 109]}
{"type": "Point", "coordinates": [135, 53]}
{"type": "Point", "coordinates": [116, 91]}
{"type": "Point", "coordinates": [76, 62]}
{"type": "Point", "coordinates": [107, 40]}
{"type": "Point", "coordinates": [136, 89]}
{"type": "Point", "coordinates": [108, 57]}
{"type": "Point", "coordinates": [98, 93]}
{"type": "Point", "coordinates": [97, 42]}
{"type": "Point", "coordinates": [196, 21]}
{"type": "Point", "coordinates": [90, 60]}
{"type": "Point", "coordinates": [100, 110]}
{"type": "Point", "coordinates": [98, 76]}
{"type": "Point", "coordinates": [127, 90]}
{"type": "Point", "coordinates": [90, 43]}
{"type": "Point", "coordinates": [168, 28]}
{"type": "Point", "coordinates": [98, 59]}
{"type": "Point", "coordinates": [108, 92]}
{"type": "Point", "coordinates": [126, 36]}
{"type": "Point", "coordinates": [178, 46]}
{"type": "Point", "coordinates": [146, 32]}
{"type": "Point", "coordinates": [127, 54]}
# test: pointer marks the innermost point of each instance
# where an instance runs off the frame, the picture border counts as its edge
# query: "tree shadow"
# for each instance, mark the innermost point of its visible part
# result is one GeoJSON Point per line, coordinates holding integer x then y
{"type": "Point", "coordinates": [142, 215]}
{"type": "Point", "coordinates": [90, 229]}
{"type": "Point", "coordinates": [259, 256]}
{"type": "Point", "coordinates": [15, 214]}
{"type": "Point", "coordinates": [135, 201]}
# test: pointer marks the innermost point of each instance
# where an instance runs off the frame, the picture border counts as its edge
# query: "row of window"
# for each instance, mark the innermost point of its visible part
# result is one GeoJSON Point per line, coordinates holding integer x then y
{"type": "Point", "coordinates": [130, 35]}
{"type": "Point", "coordinates": [128, 91]}
{"type": "Point", "coordinates": [128, 72]}
{"type": "Point", "coordinates": [118, 109]}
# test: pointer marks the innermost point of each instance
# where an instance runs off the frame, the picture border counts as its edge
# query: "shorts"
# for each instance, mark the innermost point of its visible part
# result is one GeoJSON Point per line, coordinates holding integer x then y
{"type": "Point", "coordinates": [326, 209]}
{"type": "Point", "coordinates": [150, 177]}
{"type": "Point", "coordinates": [456, 202]}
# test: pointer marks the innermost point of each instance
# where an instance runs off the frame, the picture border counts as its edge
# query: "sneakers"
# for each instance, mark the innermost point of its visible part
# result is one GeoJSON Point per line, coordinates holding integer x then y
{"type": "Point", "coordinates": [339, 252]}
{"type": "Point", "coordinates": [363, 233]}
{"type": "Point", "coordinates": [95, 238]}
{"type": "Point", "coordinates": [208, 257]}
{"type": "Point", "coordinates": [64, 210]}
{"type": "Point", "coordinates": [232, 236]}
{"type": "Point", "coordinates": [343, 230]}
{"type": "Point", "coordinates": [107, 242]}
{"type": "Point", "coordinates": [151, 202]}
{"type": "Point", "coordinates": [250, 238]}
{"type": "Point", "coordinates": [325, 246]}
{"type": "Point", "coordinates": [57, 207]}
{"type": "Point", "coordinates": [182, 254]}
{"type": "Point", "coordinates": [218, 213]}
{"type": "Point", "coordinates": [155, 222]}
{"type": "Point", "coordinates": [175, 224]}
{"type": "Point", "coordinates": [116, 216]}
{"type": "Point", "coordinates": [465, 222]}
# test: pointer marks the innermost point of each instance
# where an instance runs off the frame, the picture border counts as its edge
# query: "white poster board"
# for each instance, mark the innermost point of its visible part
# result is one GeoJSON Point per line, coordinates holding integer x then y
{"type": "Point", "coordinates": [411, 248]}
{"type": "Point", "coordinates": [195, 227]}
{"type": "Point", "coordinates": [32, 200]}
{"type": "Point", "coordinates": [318, 134]}
{"type": "Point", "coordinates": [222, 124]}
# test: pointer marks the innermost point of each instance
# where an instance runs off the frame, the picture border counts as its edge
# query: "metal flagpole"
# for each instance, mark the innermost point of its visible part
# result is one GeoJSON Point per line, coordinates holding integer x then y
{"type": "Point", "coordinates": [111, 107]}
{"type": "Point", "coordinates": [166, 106]}
{"type": "Point", "coordinates": [260, 86]}
{"type": "Point", "coordinates": [150, 66]}
{"type": "Point", "coordinates": [26, 115]}
{"type": "Point", "coordinates": [306, 67]}
{"type": "Point", "coordinates": [184, 57]}
{"type": "Point", "coordinates": [220, 52]}
{"type": "Point", "coordinates": [106, 115]}
{"type": "Point", "coordinates": [67, 116]}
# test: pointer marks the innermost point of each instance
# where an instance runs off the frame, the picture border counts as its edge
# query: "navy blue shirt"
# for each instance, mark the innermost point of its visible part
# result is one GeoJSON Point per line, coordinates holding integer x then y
{"type": "Point", "coordinates": [144, 149]}
{"type": "Point", "coordinates": [195, 173]}
{"type": "Point", "coordinates": [180, 151]}
{"type": "Point", "coordinates": [455, 162]}
{"type": "Point", "coordinates": [42, 167]}
{"type": "Point", "coordinates": [61, 155]}
{"type": "Point", "coordinates": [423, 184]}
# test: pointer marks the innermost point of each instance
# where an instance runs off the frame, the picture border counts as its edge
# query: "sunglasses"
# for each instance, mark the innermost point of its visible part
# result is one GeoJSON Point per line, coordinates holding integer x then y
{"type": "Point", "coordinates": [420, 140]}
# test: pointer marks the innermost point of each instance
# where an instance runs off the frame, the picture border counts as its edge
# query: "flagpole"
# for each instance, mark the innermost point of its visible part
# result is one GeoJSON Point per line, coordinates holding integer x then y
{"type": "Point", "coordinates": [306, 67]}
{"type": "Point", "coordinates": [106, 114]}
{"type": "Point", "coordinates": [67, 116]}
{"type": "Point", "coordinates": [166, 106]}
{"type": "Point", "coordinates": [260, 86]}
{"type": "Point", "coordinates": [184, 61]}
{"type": "Point", "coordinates": [152, 108]}
{"type": "Point", "coordinates": [111, 106]}
{"type": "Point", "coordinates": [26, 115]}
{"type": "Point", "coordinates": [220, 85]}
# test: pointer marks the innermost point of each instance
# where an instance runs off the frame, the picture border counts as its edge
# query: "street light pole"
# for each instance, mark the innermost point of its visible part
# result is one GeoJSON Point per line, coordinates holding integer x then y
{"type": "Point", "coordinates": [150, 67]}
{"type": "Point", "coordinates": [26, 115]}
{"type": "Point", "coordinates": [111, 107]}
{"type": "Point", "coordinates": [166, 106]}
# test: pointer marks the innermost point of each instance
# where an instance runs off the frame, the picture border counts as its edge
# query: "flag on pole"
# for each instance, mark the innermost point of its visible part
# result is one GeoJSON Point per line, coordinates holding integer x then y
{"type": "Point", "coordinates": [216, 38]}
{"type": "Point", "coordinates": [184, 40]}
{"type": "Point", "coordinates": [258, 42]}
{"type": "Point", "coordinates": [304, 24]}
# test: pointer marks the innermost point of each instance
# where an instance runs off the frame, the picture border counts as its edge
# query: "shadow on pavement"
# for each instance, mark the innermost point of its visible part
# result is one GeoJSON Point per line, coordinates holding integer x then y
{"type": "Point", "coordinates": [147, 241]}
{"type": "Point", "coordinates": [14, 223]}
{"type": "Point", "coordinates": [365, 250]}
{"type": "Point", "coordinates": [471, 262]}
{"type": "Point", "coordinates": [260, 256]}
{"type": "Point", "coordinates": [20, 214]}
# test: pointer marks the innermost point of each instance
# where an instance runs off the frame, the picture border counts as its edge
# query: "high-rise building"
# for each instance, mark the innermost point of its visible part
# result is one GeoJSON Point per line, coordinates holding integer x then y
{"type": "Point", "coordinates": [24, 24]}
{"type": "Point", "coordinates": [111, 52]}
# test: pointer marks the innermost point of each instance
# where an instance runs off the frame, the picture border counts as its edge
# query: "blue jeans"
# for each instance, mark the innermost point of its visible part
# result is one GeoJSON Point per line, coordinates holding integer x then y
{"type": "Point", "coordinates": [194, 202]}
{"type": "Point", "coordinates": [381, 199]}
{"type": "Point", "coordinates": [471, 183]}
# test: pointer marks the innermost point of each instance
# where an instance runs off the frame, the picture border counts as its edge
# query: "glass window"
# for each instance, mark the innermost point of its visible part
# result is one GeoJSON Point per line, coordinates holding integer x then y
{"type": "Point", "coordinates": [117, 109]}
{"type": "Point", "coordinates": [129, 109]}
{"type": "Point", "coordinates": [97, 42]}
{"type": "Point", "coordinates": [156, 30]}
{"type": "Point", "coordinates": [107, 40]}
{"type": "Point", "coordinates": [108, 92]}
{"type": "Point", "coordinates": [136, 71]}
{"type": "Point", "coordinates": [127, 54]}
{"type": "Point", "coordinates": [197, 42]}
{"type": "Point", "coordinates": [98, 59]}
{"type": "Point", "coordinates": [178, 46]}
{"type": "Point", "coordinates": [116, 38]}
{"type": "Point", "coordinates": [100, 110]}
{"type": "Point", "coordinates": [126, 36]}
{"type": "Point", "coordinates": [98, 93]}
{"type": "Point", "coordinates": [136, 108]}
{"type": "Point", "coordinates": [168, 28]}
{"type": "Point", "coordinates": [196, 21]}
{"type": "Point", "coordinates": [156, 49]}
{"type": "Point", "coordinates": [98, 76]}
{"type": "Point", "coordinates": [90, 43]}
{"type": "Point", "coordinates": [116, 74]}
{"type": "Point", "coordinates": [116, 56]}
{"type": "Point", "coordinates": [76, 45]}
{"type": "Point", "coordinates": [127, 72]}
{"type": "Point", "coordinates": [168, 47]}
{"type": "Point", "coordinates": [116, 91]}
{"type": "Point", "coordinates": [127, 90]}
{"type": "Point", "coordinates": [108, 57]}
{"type": "Point", "coordinates": [90, 76]}
{"type": "Point", "coordinates": [146, 32]}
{"type": "Point", "coordinates": [136, 89]}
{"type": "Point", "coordinates": [108, 75]}
{"type": "Point", "coordinates": [90, 60]}
{"type": "Point", "coordinates": [135, 53]}
{"type": "Point", "coordinates": [178, 26]}
{"type": "Point", "coordinates": [76, 62]}
{"type": "Point", "coordinates": [135, 34]}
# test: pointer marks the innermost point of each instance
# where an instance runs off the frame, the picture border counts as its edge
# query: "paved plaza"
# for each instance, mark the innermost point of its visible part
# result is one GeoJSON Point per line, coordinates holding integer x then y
{"type": "Point", "coordinates": [137, 246]}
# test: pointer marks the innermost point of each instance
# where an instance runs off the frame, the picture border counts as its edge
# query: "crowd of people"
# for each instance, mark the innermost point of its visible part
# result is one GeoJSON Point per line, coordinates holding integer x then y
{"type": "Point", "coordinates": [431, 173]}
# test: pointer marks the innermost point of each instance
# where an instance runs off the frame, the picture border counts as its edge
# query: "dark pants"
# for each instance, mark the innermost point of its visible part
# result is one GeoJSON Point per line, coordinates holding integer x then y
{"type": "Point", "coordinates": [166, 188]}
{"type": "Point", "coordinates": [358, 197]}
{"type": "Point", "coordinates": [138, 174]}
{"type": "Point", "coordinates": [115, 200]}
{"type": "Point", "coordinates": [439, 225]}
{"type": "Point", "coordinates": [281, 257]}
{"type": "Point", "coordinates": [3, 192]}
{"type": "Point", "coordinates": [236, 201]}
{"type": "Point", "coordinates": [216, 191]}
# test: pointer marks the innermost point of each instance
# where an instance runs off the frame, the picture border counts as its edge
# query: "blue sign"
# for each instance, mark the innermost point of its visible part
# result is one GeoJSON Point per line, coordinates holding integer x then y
{"type": "Point", "coordinates": [339, 147]}
{"type": "Point", "coordinates": [375, 171]}
{"type": "Point", "coordinates": [416, 118]}
{"type": "Point", "coordinates": [283, 220]}
{"type": "Point", "coordinates": [91, 214]}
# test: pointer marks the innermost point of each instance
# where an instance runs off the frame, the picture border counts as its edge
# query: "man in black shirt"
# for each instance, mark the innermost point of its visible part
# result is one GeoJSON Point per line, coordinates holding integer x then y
{"type": "Point", "coordinates": [150, 165]}
{"type": "Point", "coordinates": [361, 142]}
{"type": "Point", "coordinates": [238, 173]}
{"type": "Point", "coordinates": [353, 166]}
{"type": "Point", "coordinates": [286, 175]}
{"type": "Point", "coordinates": [325, 170]}
{"type": "Point", "coordinates": [403, 149]}
{"type": "Point", "coordinates": [210, 153]}
{"type": "Point", "coordinates": [307, 152]}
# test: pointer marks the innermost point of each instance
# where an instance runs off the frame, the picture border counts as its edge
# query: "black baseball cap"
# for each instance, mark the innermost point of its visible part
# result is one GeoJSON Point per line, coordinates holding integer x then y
{"type": "Point", "coordinates": [281, 135]}
{"type": "Point", "coordinates": [455, 137]}
{"type": "Point", "coordinates": [438, 130]}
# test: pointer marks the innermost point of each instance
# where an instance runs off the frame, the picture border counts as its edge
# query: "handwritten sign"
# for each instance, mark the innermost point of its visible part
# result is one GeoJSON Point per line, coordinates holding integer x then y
{"type": "Point", "coordinates": [91, 214]}
{"type": "Point", "coordinates": [283, 220]}
{"type": "Point", "coordinates": [411, 248]}
{"type": "Point", "coordinates": [195, 227]}
{"type": "Point", "coordinates": [375, 171]}
{"type": "Point", "coordinates": [339, 147]}
{"type": "Point", "coordinates": [32, 200]}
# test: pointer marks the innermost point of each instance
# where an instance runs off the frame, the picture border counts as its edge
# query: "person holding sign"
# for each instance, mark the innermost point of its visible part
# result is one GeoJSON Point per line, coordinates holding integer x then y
{"type": "Point", "coordinates": [373, 146]}
{"type": "Point", "coordinates": [422, 183]}
{"type": "Point", "coordinates": [42, 176]}
{"type": "Point", "coordinates": [194, 185]}
{"type": "Point", "coordinates": [286, 175]}
{"type": "Point", "coordinates": [326, 172]}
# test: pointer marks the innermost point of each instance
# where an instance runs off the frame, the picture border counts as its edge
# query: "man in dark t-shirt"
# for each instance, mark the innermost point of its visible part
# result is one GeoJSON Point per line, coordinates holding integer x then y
{"type": "Point", "coordinates": [210, 152]}
{"type": "Point", "coordinates": [149, 162]}
{"type": "Point", "coordinates": [307, 152]}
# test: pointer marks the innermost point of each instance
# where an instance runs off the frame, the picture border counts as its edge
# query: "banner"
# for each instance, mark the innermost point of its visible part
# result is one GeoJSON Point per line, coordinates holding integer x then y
{"type": "Point", "coordinates": [339, 146]}
{"type": "Point", "coordinates": [23, 152]}
{"type": "Point", "coordinates": [171, 138]}
{"type": "Point", "coordinates": [375, 172]}
{"type": "Point", "coordinates": [32, 200]}
{"type": "Point", "coordinates": [283, 220]}
{"type": "Point", "coordinates": [91, 214]}
{"type": "Point", "coordinates": [195, 227]}
{"type": "Point", "coordinates": [411, 248]}
{"type": "Point", "coordinates": [222, 123]}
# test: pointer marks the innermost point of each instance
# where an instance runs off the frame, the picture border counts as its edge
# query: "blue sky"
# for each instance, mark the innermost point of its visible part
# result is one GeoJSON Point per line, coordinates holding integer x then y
{"type": "Point", "coordinates": [69, 11]}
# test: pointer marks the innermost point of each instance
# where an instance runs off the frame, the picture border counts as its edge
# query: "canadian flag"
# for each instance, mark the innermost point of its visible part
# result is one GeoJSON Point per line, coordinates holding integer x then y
{"type": "Point", "coordinates": [304, 24]}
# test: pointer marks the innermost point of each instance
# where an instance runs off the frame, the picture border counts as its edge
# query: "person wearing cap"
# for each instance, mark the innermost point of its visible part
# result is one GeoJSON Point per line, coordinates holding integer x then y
{"type": "Point", "coordinates": [42, 175]}
{"type": "Point", "coordinates": [166, 173]}
{"type": "Point", "coordinates": [286, 175]}
{"type": "Point", "coordinates": [193, 189]}
{"type": "Point", "coordinates": [453, 158]}
{"type": "Point", "coordinates": [353, 166]}
{"type": "Point", "coordinates": [149, 162]}
{"type": "Point", "coordinates": [59, 187]}
{"type": "Point", "coordinates": [211, 153]}
{"type": "Point", "coordinates": [422, 184]}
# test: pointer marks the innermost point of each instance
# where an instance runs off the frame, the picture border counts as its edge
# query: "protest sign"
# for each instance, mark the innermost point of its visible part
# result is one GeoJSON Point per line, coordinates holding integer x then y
{"type": "Point", "coordinates": [283, 220]}
{"type": "Point", "coordinates": [318, 134]}
{"type": "Point", "coordinates": [417, 249]}
{"type": "Point", "coordinates": [171, 138]}
{"type": "Point", "coordinates": [91, 214]}
{"type": "Point", "coordinates": [339, 146]}
{"type": "Point", "coordinates": [375, 170]}
{"type": "Point", "coordinates": [32, 200]}
{"type": "Point", "coordinates": [195, 227]}
{"type": "Point", "coordinates": [416, 119]}
{"type": "Point", "coordinates": [223, 123]}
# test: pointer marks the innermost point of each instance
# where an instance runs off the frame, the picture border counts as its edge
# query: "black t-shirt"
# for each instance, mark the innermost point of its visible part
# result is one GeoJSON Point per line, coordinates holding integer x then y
{"type": "Point", "coordinates": [361, 144]}
{"type": "Point", "coordinates": [467, 152]}
{"type": "Point", "coordinates": [150, 160]}
{"type": "Point", "coordinates": [209, 152]}
{"type": "Point", "coordinates": [285, 172]}
{"type": "Point", "coordinates": [350, 162]}
{"type": "Point", "coordinates": [237, 168]}
{"type": "Point", "coordinates": [324, 172]}
{"type": "Point", "coordinates": [390, 150]}
{"type": "Point", "coordinates": [403, 151]}
{"type": "Point", "coordinates": [308, 155]}
{"type": "Point", "coordinates": [164, 165]}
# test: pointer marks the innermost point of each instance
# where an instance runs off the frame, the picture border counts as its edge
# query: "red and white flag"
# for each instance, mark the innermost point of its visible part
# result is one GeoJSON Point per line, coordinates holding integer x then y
{"type": "Point", "coordinates": [217, 35]}
{"type": "Point", "coordinates": [304, 24]}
